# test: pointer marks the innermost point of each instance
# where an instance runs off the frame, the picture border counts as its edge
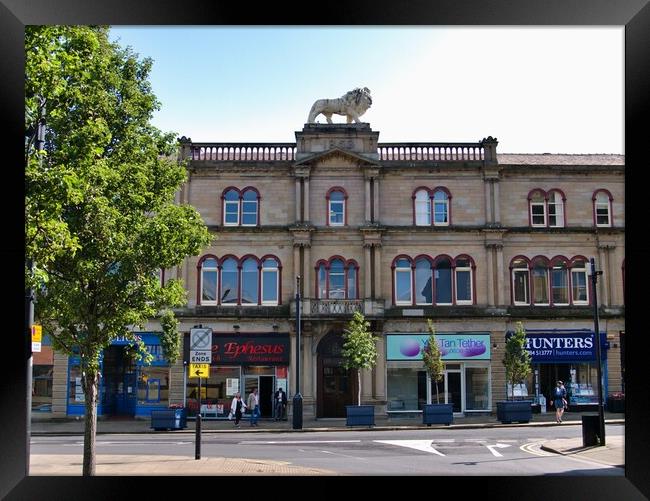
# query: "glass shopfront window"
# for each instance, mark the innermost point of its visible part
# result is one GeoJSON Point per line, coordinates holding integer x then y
{"type": "Point", "coordinates": [218, 389]}
{"type": "Point", "coordinates": [75, 388]}
{"type": "Point", "coordinates": [407, 390]}
{"type": "Point", "coordinates": [477, 388]}
{"type": "Point", "coordinates": [42, 388]}
{"type": "Point", "coordinates": [582, 388]}
{"type": "Point", "coordinates": [153, 385]}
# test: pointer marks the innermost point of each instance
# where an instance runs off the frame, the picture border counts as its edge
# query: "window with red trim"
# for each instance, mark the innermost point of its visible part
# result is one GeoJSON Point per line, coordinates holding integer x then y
{"type": "Point", "coordinates": [602, 208]}
{"type": "Point", "coordinates": [337, 279]}
{"type": "Point", "coordinates": [241, 208]}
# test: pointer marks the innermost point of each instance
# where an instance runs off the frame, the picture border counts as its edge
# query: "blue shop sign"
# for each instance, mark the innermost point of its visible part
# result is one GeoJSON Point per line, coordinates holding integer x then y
{"type": "Point", "coordinates": [563, 345]}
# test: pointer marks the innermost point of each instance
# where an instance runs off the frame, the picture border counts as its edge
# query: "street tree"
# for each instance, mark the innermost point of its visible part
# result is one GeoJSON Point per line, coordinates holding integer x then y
{"type": "Point", "coordinates": [359, 349]}
{"type": "Point", "coordinates": [432, 358]}
{"type": "Point", "coordinates": [101, 221]}
{"type": "Point", "coordinates": [517, 360]}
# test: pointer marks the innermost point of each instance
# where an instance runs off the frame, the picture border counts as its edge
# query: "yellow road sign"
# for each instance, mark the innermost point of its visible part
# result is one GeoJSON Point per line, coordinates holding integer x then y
{"type": "Point", "coordinates": [199, 370]}
{"type": "Point", "coordinates": [37, 333]}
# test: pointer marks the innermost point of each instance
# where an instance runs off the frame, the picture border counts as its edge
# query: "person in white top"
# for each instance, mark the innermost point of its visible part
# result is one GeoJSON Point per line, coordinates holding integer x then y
{"type": "Point", "coordinates": [237, 407]}
{"type": "Point", "coordinates": [254, 405]}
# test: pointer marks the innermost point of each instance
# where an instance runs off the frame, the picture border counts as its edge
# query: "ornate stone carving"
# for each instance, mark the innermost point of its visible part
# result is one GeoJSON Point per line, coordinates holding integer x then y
{"type": "Point", "coordinates": [353, 104]}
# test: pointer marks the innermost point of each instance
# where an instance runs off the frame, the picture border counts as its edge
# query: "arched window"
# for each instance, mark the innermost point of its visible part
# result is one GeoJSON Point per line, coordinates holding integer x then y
{"type": "Point", "coordinates": [579, 290]}
{"type": "Point", "coordinates": [423, 281]}
{"type": "Point", "coordinates": [403, 288]}
{"type": "Point", "coordinates": [336, 199]}
{"type": "Point", "coordinates": [602, 208]}
{"type": "Point", "coordinates": [422, 203]}
{"type": "Point", "coordinates": [443, 286]}
{"type": "Point", "coordinates": [229, 281]}
{"type": "Point", "coordinates": [250, 207]}
{"type": "Point", "coordinates": [556, 209]}
{"type": "Point", "coordinates": [520, 281]}
{"type": "Point", "coordinates": [209, 281]}
{"type": "Point", "coordinates": [559, 282]}
{"type": "Point", "coordinates": [337, 279]}
{"type": "Point", "coordinates": [270, 281]}
{"type": "Point", "coordinates": [250, 281]}
{"type": "Point", "coordinates": [440, 207]}
{"type": "Point", "coordinates": [539, 269]}
{"type": "Point", "coordinates": [231, 207]}
{"type": "Point", "coordinates": [464, 280]}
{"type": "Point", "coordinates": [537, 202]}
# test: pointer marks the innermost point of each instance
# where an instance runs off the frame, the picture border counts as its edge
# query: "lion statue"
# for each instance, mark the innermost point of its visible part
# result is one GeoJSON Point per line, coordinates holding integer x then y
{"type": "Point", "coordinates": [353, 104]}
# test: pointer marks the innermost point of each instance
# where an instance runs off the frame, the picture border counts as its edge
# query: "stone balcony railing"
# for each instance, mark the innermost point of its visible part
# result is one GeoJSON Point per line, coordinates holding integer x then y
{"type": "Point", "coordinates": [431, 152]}
{"type": "Point", "coordinates": [338, 307]}
{"type": "Point", "coordinates": [243, 152]}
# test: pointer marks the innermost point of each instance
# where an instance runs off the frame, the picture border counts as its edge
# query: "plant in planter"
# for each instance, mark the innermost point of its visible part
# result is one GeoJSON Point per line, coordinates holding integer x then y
{"type": "Point", "coordinates": [616, 402]}
{"type": "Point", "coordinates": [517, 362]}
{"type": "Point", "coordinates": [170, 340]}
{"type": "Point", "coordinates": [359, 352]}
{"type": "Point", "coordinates": [432, 358]}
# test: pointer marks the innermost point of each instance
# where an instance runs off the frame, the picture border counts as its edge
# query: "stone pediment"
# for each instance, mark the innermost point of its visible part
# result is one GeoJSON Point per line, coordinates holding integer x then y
{"type": "Point", "coordinates": [336, 156]}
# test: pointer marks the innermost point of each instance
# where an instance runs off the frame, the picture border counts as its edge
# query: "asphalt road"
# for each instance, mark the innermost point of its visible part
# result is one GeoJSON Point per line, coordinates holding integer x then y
{"type": "Point", "coordinates": [494, 451]}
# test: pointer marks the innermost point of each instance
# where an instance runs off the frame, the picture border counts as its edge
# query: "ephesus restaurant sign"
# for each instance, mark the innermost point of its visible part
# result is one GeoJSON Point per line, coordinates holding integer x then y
{"type": "Point", "coordinates": [260, 348]}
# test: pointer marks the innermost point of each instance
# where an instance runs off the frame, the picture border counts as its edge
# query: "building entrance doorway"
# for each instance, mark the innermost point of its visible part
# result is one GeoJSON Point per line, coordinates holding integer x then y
{"type": "Point", "coordinates": [336, 384]}
{"type": "Point", "coordinates": [265, 388]}
{"type": "Point", "coordinates": [119, 389]}
{"type": "Point", "coordinates": [450, 390]}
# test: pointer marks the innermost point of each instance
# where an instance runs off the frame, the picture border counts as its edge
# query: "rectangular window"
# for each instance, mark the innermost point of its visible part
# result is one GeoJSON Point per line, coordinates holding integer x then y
{"type": "Point", "coordinates": [555, 215]}
{"type": "Point", "coordinates": [423, 285]}
{"type": "Point", "coordinates": [538, 214]}
{"type": "Point", "coordinates": [337, 285]}
{"type": "Point", "coordinates": [322, 282]}
{"type": "Point", "coordinates": [560, 286]}
{"type": "Point", "coordinates": [269, 286]}
{"type": "Point", "coordinates": [443, 285]}
{"type": "Point", "coordinates": [403, 287]}
{"type": "Point", "coordinates": [231, 217]}
{"type": "Point", "coordinates": [579, 286]}
{"type": "Point", "coordinates": [214, 391]}
{"type": "Point", "coordinates": [229, 286]}
{"type": "Point", "coordinates": [520, 286]}
{"type": "Point", "coordinates": [463, 286]}
{"type": "Point", "coordinates": [249, 213]}
{"type": "Point", "coordinates": [602, 214]}
{"type": "Point", "coordinates": [440, 213]}
{"type": "Point", "coordinates": [336, 213]}
{"type": "Point", "coordinates": [422, 213]}
{"type": "Point", "coordinates": [209, 286]}
{"type": "Point", "coordinates": [477, 388]}
{"type": "Point", "coordinates": [42, 388]}
{"type": "Point", "coordinates": [406, 389]}
{"type": "Point", "coordinates": [352, 283]}
{"type": "Point", "coordinates": [249, 286]}
{"type": "Point", "coordinates": [540, 285]}
{"type": "Point", "coordinates": [153, 385]}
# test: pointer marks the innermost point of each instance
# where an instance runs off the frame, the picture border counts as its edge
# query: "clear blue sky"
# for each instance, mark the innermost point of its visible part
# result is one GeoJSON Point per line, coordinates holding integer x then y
{"type": "Point", "coordinates": [537, 89]}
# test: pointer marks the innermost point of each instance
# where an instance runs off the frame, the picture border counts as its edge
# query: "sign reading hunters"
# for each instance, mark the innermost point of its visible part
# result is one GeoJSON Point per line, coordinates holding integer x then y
{"type": "Point", "coordinates": [557, 345]}
{"type": "Point", "coordinates": [200, 346]}
{"type": "Point", "coordinates": [260, 348]}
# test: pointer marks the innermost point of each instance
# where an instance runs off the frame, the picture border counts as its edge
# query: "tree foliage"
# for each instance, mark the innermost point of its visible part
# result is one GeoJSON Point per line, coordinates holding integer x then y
{"type": "Point", "coordinates": [432, 357]}
{"type": "Point", "coordinates": [101, 221]}
{"type": "Point", "coordinates": [170, 339]}
{"type": "Point", "coordinates": [517, 360]}
{"type": "Point", "coordinates": [359, 349]}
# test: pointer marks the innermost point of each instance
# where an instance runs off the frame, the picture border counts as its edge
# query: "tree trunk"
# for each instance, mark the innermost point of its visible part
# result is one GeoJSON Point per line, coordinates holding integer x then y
{"type": "Point", "coordinates": [359, 386]}
{"type": "Point", "coordinates": [90, 395]}
{"type": "Point", "coordinates": [437, 395]}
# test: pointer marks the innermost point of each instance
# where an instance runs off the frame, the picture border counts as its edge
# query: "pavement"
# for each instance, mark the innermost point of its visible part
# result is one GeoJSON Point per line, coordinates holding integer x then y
{"type": "Point", "coordinates": [70, 464]}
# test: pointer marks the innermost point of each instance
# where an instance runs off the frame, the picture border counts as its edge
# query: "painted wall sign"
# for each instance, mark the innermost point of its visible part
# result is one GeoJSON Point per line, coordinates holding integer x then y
{"type": "Point", "coordinates": [453, 346]}
{"type": "Point", "coordinates": [557, 346]}
{"type": "Point", "coordinates": [242, 349]}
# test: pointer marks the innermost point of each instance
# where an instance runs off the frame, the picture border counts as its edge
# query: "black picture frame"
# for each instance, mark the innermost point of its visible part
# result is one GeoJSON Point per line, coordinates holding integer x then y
{"type": "Point", "coordinates": [15, 14]}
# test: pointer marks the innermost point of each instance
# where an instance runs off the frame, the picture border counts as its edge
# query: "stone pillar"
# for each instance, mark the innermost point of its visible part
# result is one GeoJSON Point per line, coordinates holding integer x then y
{"type": "Point", "coordinates": [380, 368]}
{"type": "Point", "coordinates": [489, 270]}
{"type": "Point", "coordinates": [378, 291]}
{"type": "Point", "coordinates": [611, 282]}
{"type": "Point", "coordinates": [306, 201]}
{"type": "Point", "coordinates": [496, 202]}
{"type": "Point", "coordinates": [603, 282]}
{"type": "Point", "coordinates": [368, 201]}
{"type": "Point", "coordinates": [488, 201]}
{"type": "Point", "coordinates": [298, 219]}
{"type": "Point", "coordinates": [306, 372]}
{"type": "Point", "coordinates": [292, 367]}
{"type": "Point", "coordinates": [306, 279]}
{"type": "Point", "coordinates": [375, 200]}
{"type": "Point", "coordinates": [367, 271]}
{"type": "Point", "coordinates": [296, 266]}
{"type": "Point", "coordinates": [500, 277]}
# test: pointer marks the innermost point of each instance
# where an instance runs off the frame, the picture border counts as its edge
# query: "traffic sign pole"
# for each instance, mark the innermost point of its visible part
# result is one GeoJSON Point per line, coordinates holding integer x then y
{"type": "Point", "coordinates": [197, 450]}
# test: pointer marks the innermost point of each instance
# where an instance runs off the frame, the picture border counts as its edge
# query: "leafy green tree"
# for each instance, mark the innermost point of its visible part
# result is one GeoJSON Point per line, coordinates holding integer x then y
{"type": "Point", "coordinates": [432, 358]}
{"type": "Point", "coordinates": [101, 221]}
{"type": "Point", "coordinates": [359, 350]}
{"type": "Point", "coordinates": [517, 360]}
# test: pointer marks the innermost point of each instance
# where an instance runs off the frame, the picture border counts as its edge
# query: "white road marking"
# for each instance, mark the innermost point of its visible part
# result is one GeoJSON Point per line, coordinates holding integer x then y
{"type": "Point", "coordinates": [499, 446]}
{"type": "Point", "coordinates": [420, 445]}
{"type": "Point", "coordinates": [344, 455]}
{"type": "Point", "coordinates": [254, 442]}
{"type": "Point", "coordinates": [480, 441]}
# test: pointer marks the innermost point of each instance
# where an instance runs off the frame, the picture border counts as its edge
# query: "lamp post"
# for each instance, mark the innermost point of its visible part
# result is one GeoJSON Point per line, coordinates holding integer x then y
{"type": "Point", "coordinates": [601, 415]}
{"type": "Point", "coordinates": [297, 398]}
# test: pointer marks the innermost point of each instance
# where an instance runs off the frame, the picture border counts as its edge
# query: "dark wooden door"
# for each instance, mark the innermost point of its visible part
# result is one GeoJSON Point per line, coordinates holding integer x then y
{"type": "Point", "coordinates": [336, 384]}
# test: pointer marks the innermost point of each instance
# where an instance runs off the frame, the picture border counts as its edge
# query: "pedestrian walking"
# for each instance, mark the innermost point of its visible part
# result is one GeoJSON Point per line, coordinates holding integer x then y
{"type": "Point", "coordinates": [559, 400]}
{"type": "Point", "coordinates": [254, 406]}
{"type": "Point", "coordinates": [237, 407]}
{"type": "Point", "coordinates": [280, 399]}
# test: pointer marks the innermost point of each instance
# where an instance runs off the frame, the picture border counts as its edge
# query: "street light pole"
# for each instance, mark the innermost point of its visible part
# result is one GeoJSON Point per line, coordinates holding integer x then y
{"type": "Point", "coordinates": [601, 414]}
{"type": "Point", "coordinates": [297, 398]}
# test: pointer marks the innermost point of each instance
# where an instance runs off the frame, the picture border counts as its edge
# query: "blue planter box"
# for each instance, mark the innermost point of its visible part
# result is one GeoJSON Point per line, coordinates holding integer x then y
{"type": "Point", "coordinates": [169, 419]}
{"type": "Point", "coordinates": [438, 414]}
{"type": "Point", "coordinates": [515, 410]}
{"type": "Point", "coordinates": [360, 415]}
{"type": "Point", "coordinates": [615, 405]}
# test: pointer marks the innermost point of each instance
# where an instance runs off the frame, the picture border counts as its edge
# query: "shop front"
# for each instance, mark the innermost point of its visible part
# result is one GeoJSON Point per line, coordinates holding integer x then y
{"type": "Point", "coordinates": [127, 387]}
{"type": "Point", "coordinates": [567, 355]}
{"type": "Point", "coordinates": [466, 381]}
{"type": "Point", "coordinates": [240, 363]}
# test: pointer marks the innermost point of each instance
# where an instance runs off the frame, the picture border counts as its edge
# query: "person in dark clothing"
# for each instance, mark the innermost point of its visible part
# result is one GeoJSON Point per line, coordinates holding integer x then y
{"type": "Point", "coordinates": [280, 403]}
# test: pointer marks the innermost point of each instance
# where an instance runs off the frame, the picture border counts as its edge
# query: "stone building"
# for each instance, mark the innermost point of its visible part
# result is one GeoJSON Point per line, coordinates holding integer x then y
{"type": "Point", "coordinates": [474, 239]}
